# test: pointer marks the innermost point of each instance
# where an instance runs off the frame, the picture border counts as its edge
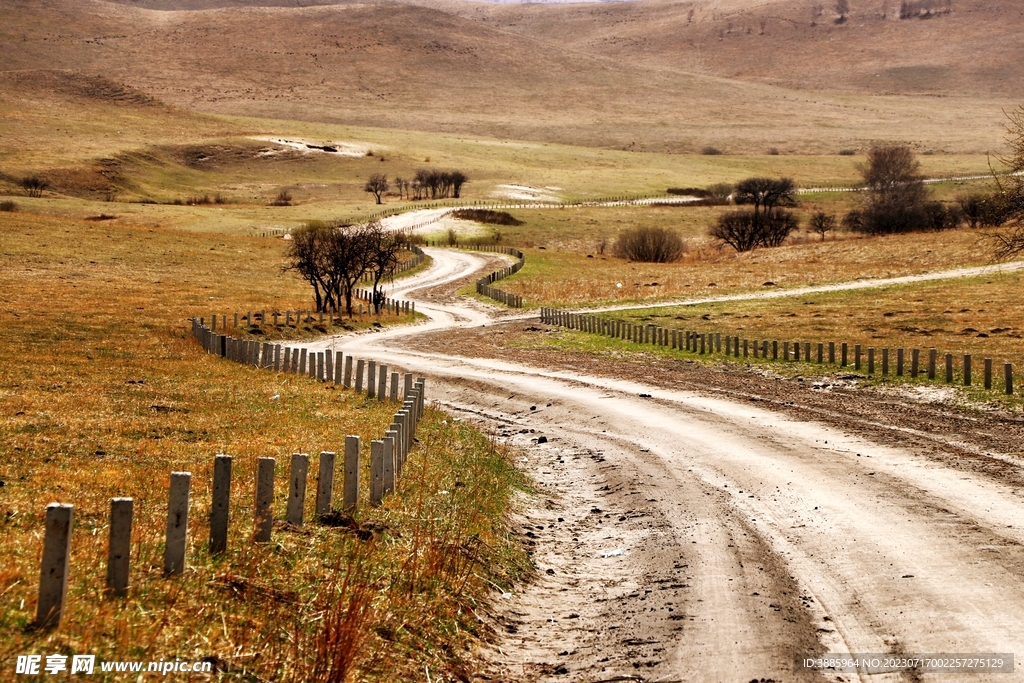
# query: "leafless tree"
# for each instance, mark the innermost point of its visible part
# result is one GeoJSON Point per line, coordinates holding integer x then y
{"type": "Point", "coordinates": [768, 224]}
{"type": "Point", "coordinates": [384, 254]}
{"type": "Point", "coordinates": [1008, 198]}
{"type": "Point", "coordinates": [377, 185]}
{"type": "Point", "coordinates": [822, 223]}
{"type": "Point", "coordinates": [896, 194]}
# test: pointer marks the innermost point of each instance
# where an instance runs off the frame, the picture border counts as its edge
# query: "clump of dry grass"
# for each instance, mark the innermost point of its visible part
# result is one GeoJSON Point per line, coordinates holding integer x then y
{"type": "Point", "coordinates": [105, 393]}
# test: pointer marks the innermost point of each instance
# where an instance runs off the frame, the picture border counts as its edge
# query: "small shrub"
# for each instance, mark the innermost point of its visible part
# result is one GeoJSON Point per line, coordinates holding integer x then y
{"type": "Point", "coordinates": [650, 245]}
{"type": "Point", "coordinates": [710, 151]}
{"type": "Point", "coordinates": [8, 205]}
{"type": "Point", "coordinates": [687, 192]}
{"type": "Point", "coordinates": [773, 151]}
{"type": "Point", "coordinates": [847, 152]}
{"type": "Point", "coordinates": [34, 185]}
{"type": "Point", "coordinates": [853, 221]}
{"type": "Point", "coordinates": [284, 198]}
{"type": "Point", "coordinates": [487, 216]}
{"type": "Point", "coordinates": [719, 193]}
{"type": "Point", "coordinates": [747, 229]}
{"type": "Point", "coordinates": [453, 237]}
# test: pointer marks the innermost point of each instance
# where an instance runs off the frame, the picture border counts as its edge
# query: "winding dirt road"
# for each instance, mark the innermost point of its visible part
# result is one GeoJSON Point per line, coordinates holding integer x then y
{"type": "Point", "coordinates": [683, 535]}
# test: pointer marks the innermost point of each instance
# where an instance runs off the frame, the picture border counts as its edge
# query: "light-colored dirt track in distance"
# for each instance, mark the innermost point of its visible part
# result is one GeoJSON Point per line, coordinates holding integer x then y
{"type": "Point", "coordinates": [685, 537]}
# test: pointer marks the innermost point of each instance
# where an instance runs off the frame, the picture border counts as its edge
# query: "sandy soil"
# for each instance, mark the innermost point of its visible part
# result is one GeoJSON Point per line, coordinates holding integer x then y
{"type": "Point", "coordinates": [705, 524]}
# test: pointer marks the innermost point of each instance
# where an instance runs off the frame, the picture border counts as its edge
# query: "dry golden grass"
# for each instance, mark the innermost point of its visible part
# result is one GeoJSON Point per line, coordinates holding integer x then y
{"type": "Point", "coordinates": [980, 316]}
{"type": "Point", "coordinates": [554, 278]}
{"type": "Point", "coordinates": [104, 393]}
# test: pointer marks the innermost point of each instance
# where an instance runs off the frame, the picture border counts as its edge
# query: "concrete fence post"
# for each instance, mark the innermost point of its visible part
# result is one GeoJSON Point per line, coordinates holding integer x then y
{"type": "Point", "coordinates": [297, 488]}
{"type": "Point", "coordinates": [221, 504]}
{"type": "Point", "coordinates": [338, 370]}
{"type": "Point", "coordinates": [932, 355]}
{"type": "Point", "coordinates": [388, 473]}
{"type": "Point", "coordinates": [328, 366]}
{"type": "Point", "coordinates": [277, 358]}
{"type": "Point", "coordinates": [376, 472]}
{"type": "Point", "coordinates": [119, 550]}
{"type": "Point", "coordinates": [359, 375]}
{"type": "Point", "coordinates": [351, 482]}
{"type": "Point", "coordinates": [1008, 378]}
{"type": "Point", "coordinates": [302, 360]}
{"type": "Point", "coordinates": [393, 397]}
{"type": "Point", "coordinates": [382, 383]}
{"type": "Point", "coordinates": [325, 483]}
{"type": "Point", "coordinates": [371, 379]}
{"type": "Point", "coordinates": [264, 512]}
{"type": "Point", "coordinates": [967, 369]}
{"type": "Point", "coordinates": [988, 373]}
{"type": "Point", "coordinates": [53, 572]}
{"type": "Point", "coordinates": [407, 387]}
{"type": "Point", "coordinates": [949, 368]}
{"type": "Point", "coordinates": [288, 359]}
{"type": "Point", "coordinates": [177, 523]}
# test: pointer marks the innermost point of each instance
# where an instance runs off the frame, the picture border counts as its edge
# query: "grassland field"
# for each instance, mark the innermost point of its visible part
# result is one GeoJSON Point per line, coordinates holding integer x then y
{"type": "Point", "coordinates": [104, 393]}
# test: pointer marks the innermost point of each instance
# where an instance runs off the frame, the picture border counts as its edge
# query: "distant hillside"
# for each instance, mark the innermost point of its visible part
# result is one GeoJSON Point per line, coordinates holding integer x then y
{"type": "Point", "coordinates": [642, 75]}
{"type": "Point", "coordinates": [959, 47]}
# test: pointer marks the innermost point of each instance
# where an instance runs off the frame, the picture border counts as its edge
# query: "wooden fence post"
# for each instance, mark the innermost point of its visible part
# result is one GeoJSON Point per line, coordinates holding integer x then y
{"type": "Point", "coordinates": [871, 360]}
{"type": "Point", "coordinates": [845, 354]}
{"type": "Point", "coordinates": [899, 361]}
{"type": "Point", "coordinates": [831, 353]}
{"type": "Point", "coordinates": [949, 368]}
{"type": "Point", "coordinates": [264, 513]}
{"type": "Point", "coordinates": [967, 369]}
{"type": "Point", "coordinates": [348, 372]}
{"type": "Point", "coordinates": [932, 355]}
{"type": "Point", "coordinates": [371, 379]}
{"type": "Point", "coordinates": [119, 550]}
{"type": "Point", "coordinates": [885, 362]}
{"type": "Point", "coordinates": [1008, 378]}
{"type": "Point", "coordinates": [221, 506]}
{"type": "Point", "coordinates": [988, 373]}
{"type": "Point", "coordinates": [338, 370]}
{"type": "Point", "coordinates": [359, 375]}
{"type": "Point", "coordinates": [856, 356]}
{"type": "Point", "coordinates": [53, 572]}
{"type": "Point", "coordinates": [177, 523]}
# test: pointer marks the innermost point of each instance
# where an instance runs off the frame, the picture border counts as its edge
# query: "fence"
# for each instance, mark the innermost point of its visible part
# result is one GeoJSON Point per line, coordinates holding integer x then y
{"type": "Point", "coordinates": [388, 456]}
{"type": "Point", "coordinates": [707, 343]}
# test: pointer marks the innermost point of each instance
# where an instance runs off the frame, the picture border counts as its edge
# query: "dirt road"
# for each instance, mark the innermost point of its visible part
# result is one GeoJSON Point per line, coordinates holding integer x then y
{"type": "Point", "coordinates": [689, 534]}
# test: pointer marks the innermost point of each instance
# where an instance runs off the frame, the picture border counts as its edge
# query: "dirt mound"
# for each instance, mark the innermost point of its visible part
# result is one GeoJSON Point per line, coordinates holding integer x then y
{"type": "Point", "coordinates": [69, 84]}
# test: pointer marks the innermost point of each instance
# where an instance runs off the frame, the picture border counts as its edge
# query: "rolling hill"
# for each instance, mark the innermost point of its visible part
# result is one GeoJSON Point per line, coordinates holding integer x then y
{"type": "Point", "coordinates": [642, 76]}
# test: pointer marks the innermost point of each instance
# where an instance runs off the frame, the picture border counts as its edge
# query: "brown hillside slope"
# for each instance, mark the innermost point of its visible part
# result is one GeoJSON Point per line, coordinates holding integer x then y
{"type": "Point", "coordinates": [424, 68]}
{"type": "Point", "coordinates": [974, 49]}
